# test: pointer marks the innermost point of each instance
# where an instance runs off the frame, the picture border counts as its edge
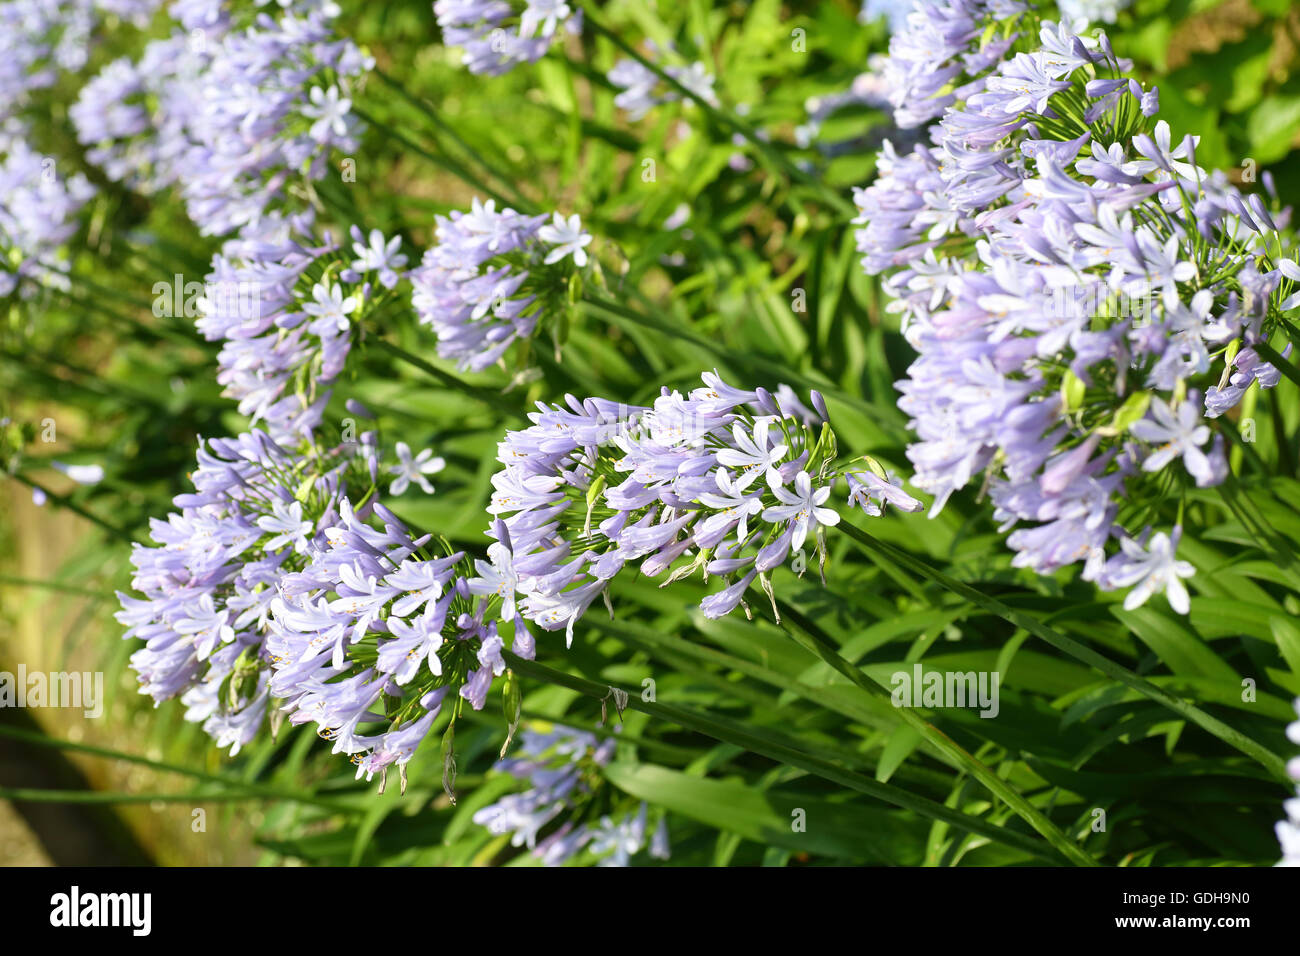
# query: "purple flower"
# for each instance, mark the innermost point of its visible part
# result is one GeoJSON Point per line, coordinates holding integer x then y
{"type": "Point", "coordinates": [871, 493]}
{"type": "Point", "coordinates": [1179, 433]}
{"type": "Point", "coordinates": [590, 487]}
{"type": "Point", "coordinates": [1060, 299]}
{"type": "Point", "coordinates": [548, 817]}
{"type": "Point", "coordinates": [210, 580]}
{"type": "Point", "coordinates": [491, 277]}
{"type": "Point", "coordinates": [497, 36]}
{"type": "Point", "coordinates": [229, 120]}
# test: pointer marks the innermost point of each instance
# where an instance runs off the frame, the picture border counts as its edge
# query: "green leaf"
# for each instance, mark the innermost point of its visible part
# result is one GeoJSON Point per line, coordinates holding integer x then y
{"type": "Point", "coordinates": [1272, 127]}
{"type": "Point", "coordinates": [900, 746]}
{"type": "Point", "coordinates": [1182, 651]}
{"type": "Point", "coordinates": [1287, 635]}
{"type": "Point", "coordinates": [846, 830]}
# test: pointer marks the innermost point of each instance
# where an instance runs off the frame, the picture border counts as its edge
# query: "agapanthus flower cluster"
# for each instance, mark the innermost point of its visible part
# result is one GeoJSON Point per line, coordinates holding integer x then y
{"type": "Point", "coordinates": [38, 40]}
{"type": "Point", "coordinates": [1083, 297]}
{"type": "Point", "coordinates": [723, 482]}
{"type": "Point", "coordinates": [133, 117]}
{"type": "Point", "coordinates": [562, 768]}
{"type": "Point", "coordinates": [492, 276]}
{"type": "Point", "coordinates": [641, 89]}
{"type": "Point", "coordinates": [497, 35]}
{"type": "Point", "coordinates": [234, 117]}
{"type": "Point", "coordinates": [283, 586]}
{"type": "Point", "coordinates": [39, 208]}
{"type": "Point", "coordinates": [259, 511]}
{"type": "Point", "coordinates": [1288, 830]}
{"type": "Point", "coordinates": [381, 628]}
{"type": "Point", "coordinates": [938, 58]}
{"type": "Point", "coordinates": [287, 308]}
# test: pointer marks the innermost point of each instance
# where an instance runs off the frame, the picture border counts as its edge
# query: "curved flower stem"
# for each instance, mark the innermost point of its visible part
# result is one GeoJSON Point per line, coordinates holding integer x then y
{"type": "Point", "coordinates": [725, 119]}
{"type": "Point", "coordinates": [32, 795]}
{"type": "Point", "coordinates": [88, 294]}
{"type": "Point", "coordinates": [37, 364]}
{"type": "Point", "coordinates": [1266, 539]}
{"type": "Point", "coordinates": [1275, 359]}
{"type": "Point", "coordinates": [487, 396]}
{"type": "Point", "coordinates": [443, 162]}
{"type": "Point", "coordinates": [184, 334]}
{"type": "Point", "coordinates": [731, 732]}
{"type": "Point", "coordinates": [1212, 725]}
{"type": "Point", "coordinates": [653, 642]}
{"type": "Point", "coordinates": [65, 502]}
{"type": "Point", "coordinates": [7, 580]}
{"type": "Point", "coordinates": [520, 201]}
{"type": "Point", "coordinates": [88, 285]}
{"type": "Point", "coordinates": [239, 789]}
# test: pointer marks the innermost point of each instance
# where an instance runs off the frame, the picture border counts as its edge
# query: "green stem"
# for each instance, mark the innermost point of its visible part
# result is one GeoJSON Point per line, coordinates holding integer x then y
{"type": "Point", "coordinates": [520, 201]}
{"type": "Point", "coordinates": [64, 502]}
{"type": "Point", "coordinates": [484, 395]}
{"type": "Point", "coordinates": [29, 795]}
{"type": "Point", "coordinates": [1274, 358]}
{"type": "Point", "coordinates": [443, 162]}
{"type": "Point", "coordinates": [54, 586]}
{"type": "Point", "coordinates": [163, 333]}
{"type": "Point", "coordinates": [251, 790]}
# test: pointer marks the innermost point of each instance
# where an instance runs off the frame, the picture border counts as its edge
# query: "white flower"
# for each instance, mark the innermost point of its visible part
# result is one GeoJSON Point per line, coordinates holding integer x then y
{"type": "Point", "coordinates": [330, 308]}
{"type": "Point", "coordinates": [498, 578]}
{"type": "Point", "coordinates": [329, 110]}
{"type": "Point", "coordinates": [732, 505]}
{"type": "Point", "coordinates": [1288, 834]}
{"type": "Point", "coordinates": [286, 523]}
{"type": "Point", "coordinates": [696, 79]}
{"type": "Point", "coordinates": [1288, 830]}
{"type": "Point", "coordinates": [620, 840]}
{"type": "Point", "coordinates": [1157, 147]}
{"type": "Point", "coordinates": [871, 493]}
{"type": "Point", "coordinates": [567, 237]}
{"type": "Point", "coordinates": [410, 469]}
{"type": "Point", "coordinates": [544, 13]}
{"type": "Point", "coordinates": [1154, 569]}
{"type": "Point", "coordinates": [802, 508]}
{"type": "Point", "coordinates": [1164, 267]}
{"type": "Point", "coordinates": [209, 625]}
{"type": "Point", "coordinates": [380, 256]}
{"type": "Point", "coordinates": [1177, 433]}
{"type": "Point", "coordinates": [752, 455]}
